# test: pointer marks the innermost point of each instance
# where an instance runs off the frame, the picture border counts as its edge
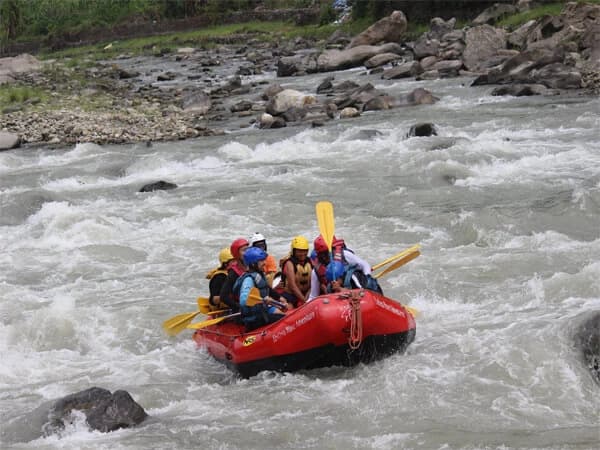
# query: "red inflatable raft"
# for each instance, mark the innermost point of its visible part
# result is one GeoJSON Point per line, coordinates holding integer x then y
{"type": "Point", "coordinates": [344, 329]}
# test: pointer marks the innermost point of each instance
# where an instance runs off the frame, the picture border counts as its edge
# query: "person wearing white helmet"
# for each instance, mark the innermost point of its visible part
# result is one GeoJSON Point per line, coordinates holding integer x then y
{"type": "Point", "coordinates": [270, 269]}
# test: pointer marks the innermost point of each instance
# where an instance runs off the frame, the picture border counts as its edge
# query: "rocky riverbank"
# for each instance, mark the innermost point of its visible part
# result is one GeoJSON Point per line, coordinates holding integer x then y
{"type": "Point", "coordinates": [188, 92]}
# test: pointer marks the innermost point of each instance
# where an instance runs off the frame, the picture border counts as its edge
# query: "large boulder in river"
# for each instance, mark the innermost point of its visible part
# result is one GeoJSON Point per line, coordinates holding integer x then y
{"type": "Point", "coordinates": [388, 29]}
{"type": "Point", "coordinates": [334, 59]}
{"type": "Point", "coordinates": [286, 99]}
{"type": "Point", "coordinates": [103, 411]}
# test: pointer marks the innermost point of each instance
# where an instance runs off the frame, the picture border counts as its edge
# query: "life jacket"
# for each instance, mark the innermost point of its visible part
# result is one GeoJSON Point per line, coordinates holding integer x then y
{"type": "Point", "coordinates": [302, 271]}
{"type": "Point", "coordinates": [237, 268]}
{"type": "Point", "coordinates": [366, 281]}
{"type": "Point", "coordinates": [320, 270]}
{"type": "Point", "coordinates": [211, 300]}
{"type": "Point", "coordinates": [258, 279]}
{"type": "Point", "coordinates": [257, 315]}
{"type": "Point", "coordinates": [210, 274]}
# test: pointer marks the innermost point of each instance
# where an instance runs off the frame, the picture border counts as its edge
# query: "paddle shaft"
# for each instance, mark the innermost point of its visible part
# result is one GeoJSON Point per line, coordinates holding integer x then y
{"type": "Point", "coordinates": [397, 256]}
{"type": "Point", "coordinates": [397, 264]}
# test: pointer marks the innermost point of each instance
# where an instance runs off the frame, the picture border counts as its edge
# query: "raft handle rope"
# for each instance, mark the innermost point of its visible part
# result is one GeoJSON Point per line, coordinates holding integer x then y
{"type": "Point", "coordinates": [356, 328]}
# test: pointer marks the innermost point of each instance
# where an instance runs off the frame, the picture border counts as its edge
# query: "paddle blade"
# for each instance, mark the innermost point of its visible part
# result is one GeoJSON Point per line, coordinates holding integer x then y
{"type": "Point", "coordinates": [397, 264]}
{"type": "Point", "coordinates": [204, 305]}
{"type": "Point", "coordinates": [207, 323]}
{"type": "Point", "coordinates": [326, 221]}
{"type": "Point", "coordinates": [254, 297]}
{"type": "Point", "coordinates": [177, 324]}
{"type": "Point", "coordinates": [397, 256]}
{"type": "Point", "coordinates": [413, 311]}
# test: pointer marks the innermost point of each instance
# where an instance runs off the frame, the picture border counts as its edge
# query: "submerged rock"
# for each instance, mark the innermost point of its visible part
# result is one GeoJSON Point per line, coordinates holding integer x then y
{"type": "Point", "coordinates": [158, 186]}
{"type": "Point", "coordinates": [103, 411]}
{"type": "Point", "coordinates": [587, 340]}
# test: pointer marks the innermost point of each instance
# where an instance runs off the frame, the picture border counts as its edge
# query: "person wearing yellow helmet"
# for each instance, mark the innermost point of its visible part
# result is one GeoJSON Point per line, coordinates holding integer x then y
{"type": "Point", "coordinates": [217, 278]}
{"type": "Point", "coordinates": [296, 269]}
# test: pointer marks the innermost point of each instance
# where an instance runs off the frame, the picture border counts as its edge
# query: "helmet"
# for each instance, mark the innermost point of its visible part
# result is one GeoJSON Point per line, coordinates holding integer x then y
{"type": "Point", "coordinates": [320, 245]}
{"type": "Point", "coordinates": [299, 243]}
{"type": "Point", "coordinates": [236, 245]}
{"type": "Point", "coordinates": [256, 237]}
{"type": "Point", "coordinates": [254, 255]}
{"type": "Point", "coordinates": [338, 241]}
{"type": "Point", "coordinates": [225, 255]}
{"type": "Point", "coordinates": [335, 270]}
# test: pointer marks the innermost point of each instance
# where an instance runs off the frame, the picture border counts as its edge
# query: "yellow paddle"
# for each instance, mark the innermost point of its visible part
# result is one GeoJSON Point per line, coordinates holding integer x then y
{"type": "Point", "coordinates": [412, 311]}
{"type": "Point", "coordinates": [207, 323]}
{"type": "Point", "coordinates": [254, 298]}
{"type": "Point", "coordinates": [204, 305]}
{"type": "Point", "coordinates": [398, 256]}
{"type": "Point", "coordinates": [326, 221]}
{"type": "Point", "coordinates": [177, 324]}
{"type": "Point", "coordinates": [399, 263]}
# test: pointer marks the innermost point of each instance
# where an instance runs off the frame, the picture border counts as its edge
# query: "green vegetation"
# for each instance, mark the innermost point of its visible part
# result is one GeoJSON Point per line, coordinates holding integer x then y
{"type": "Point", "coordinates": [12, 95]}
{"type": "Point", "coordinates": [549, 9]}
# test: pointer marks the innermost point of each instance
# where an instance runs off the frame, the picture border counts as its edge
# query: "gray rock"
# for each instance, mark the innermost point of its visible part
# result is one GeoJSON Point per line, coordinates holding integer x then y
{"type": "Point", "coordinates": [587, 339]}
{"type": "Point", "coordinates": [482, 43]}
{"type": "Point", "coordinates": [158, 186]}
{"type": "Point", "coordinates": [380, 60]}
{"type": "Point", "coordinates": [104, 411]}
{"type": "Point", "coordinates": [23, 63]}
{"type": "Point", "coordinates": [196, 100]}
{"type": "Point", "coordinates": [404, 70]}
{"type": "Point", "coordinates": [388, 29]}
{"type": "Point", "coordinates": [520, 90]}
{"type": "Point", "coordinates": [9, 141]}
{"type": "Point", "coordinates": [334, 59]}
{"type": "Point", "coordinates": [422, 130]}
{"type": "Point", "coordinates": [419, 96]}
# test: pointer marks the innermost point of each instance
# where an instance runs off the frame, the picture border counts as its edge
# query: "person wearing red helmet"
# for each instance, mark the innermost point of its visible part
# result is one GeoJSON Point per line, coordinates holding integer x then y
{"type": "Point", "coordinates": [318, 281]}
{"type": "Point", "coordinates": [236, 269]}
{"type": "Point", "coordinates": [341, 253]}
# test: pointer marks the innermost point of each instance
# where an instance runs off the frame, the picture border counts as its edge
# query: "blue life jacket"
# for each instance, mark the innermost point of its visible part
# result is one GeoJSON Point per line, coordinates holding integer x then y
{"type": "Point", "coordinates": [257, 315]}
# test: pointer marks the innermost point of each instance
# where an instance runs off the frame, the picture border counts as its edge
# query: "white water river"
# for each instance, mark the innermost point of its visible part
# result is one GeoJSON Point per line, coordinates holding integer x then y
{"type": "Point", "coordinates": [505, 203]}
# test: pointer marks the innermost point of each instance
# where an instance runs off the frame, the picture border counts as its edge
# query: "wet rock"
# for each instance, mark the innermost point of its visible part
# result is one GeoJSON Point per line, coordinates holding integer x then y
{"type": "Point", "coordinates": [520, 90]}
{"type": "Point", "coordinates": [326, 85]}
{"type": "Point", "coordinates": [382, 59]}
{"type": "Point", "coordinates": [294, 114]}
{"type": "Point", "coordinates": [587, 339]}
{"type": "Point", "coordinates": [333, 59]}
{"type": "Point", "coordinates": [422, 130]}
{"type": "Point", "coordinates": [158, 186]}
{"type": "Point", "coordinates": [419, 96]}
{"type": "Point", "coordinates": [286, 99]}
{"type": "Point", "coordinates": [349, 112]}
{"type": "Point", "coordinates": [103, 411]}
{"type": "Point", "coordinates": [243, 105]}
{"type": "Point", "coordinates": [404, 70]}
